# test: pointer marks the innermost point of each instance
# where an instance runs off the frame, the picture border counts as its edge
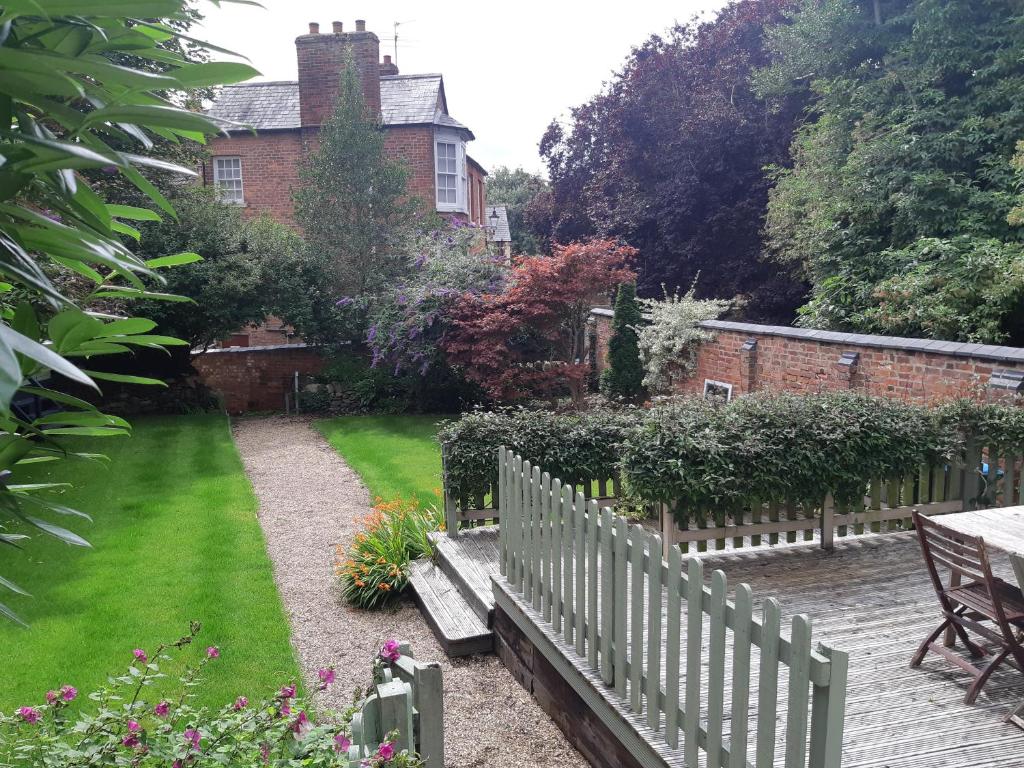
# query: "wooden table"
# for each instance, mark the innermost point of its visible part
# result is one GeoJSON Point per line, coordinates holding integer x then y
{"type": "Point", "coordinates": [1002, 529]}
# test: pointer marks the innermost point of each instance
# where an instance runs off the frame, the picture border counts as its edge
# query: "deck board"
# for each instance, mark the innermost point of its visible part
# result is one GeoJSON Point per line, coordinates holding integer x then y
{"type": "Point", "coordinates": [870, 597]}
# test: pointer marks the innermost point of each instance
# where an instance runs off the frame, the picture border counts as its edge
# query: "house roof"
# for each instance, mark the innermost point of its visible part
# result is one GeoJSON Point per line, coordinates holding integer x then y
{"type": "Point", "coordinates": [405, 100]}
{"type": "Point", "coordinates": [501, 230]}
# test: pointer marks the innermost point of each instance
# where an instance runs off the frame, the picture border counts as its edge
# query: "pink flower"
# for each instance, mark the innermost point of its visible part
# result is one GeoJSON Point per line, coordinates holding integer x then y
{"type": "Point", "coordinates": [301, 726]}
{"type": "Point", "coordinates": [265, 751]}
{"type": "Point", "coordinates": [133, 726]}
{"type": "Point", "coordinates": [131, 740]}
{"type": "Point", "coordinates": [386, 751]}
{"type": "Point", "coordinates": [389, 651]}
{"type": "Point", "coordinates": [213, 652]}
{"type": "Point", "coordinates": [241, 702]}
{"type": "Point", "coordinates": [140, 656]}
{"type": "Point", "coordinates": [51, 696]}
{"type": "Point", "coordinates": [286, 709]}
{"type": "Point", "coordinates": [341, 742]}
{"type": "Point", "coordinates": [68, 692]}
{"type": "Point", "coordinates": [177, 764]}
{"type": "Point", "coordinates": [326, 677]}
{"type": "Point", "coordinates": [29, 714]}
{"type": "Point", "coordinates": [192, 738]}
{"type": "Point", "coordinates": [288, 691]}
{"type": "Point", "coordinates": [161, 709]}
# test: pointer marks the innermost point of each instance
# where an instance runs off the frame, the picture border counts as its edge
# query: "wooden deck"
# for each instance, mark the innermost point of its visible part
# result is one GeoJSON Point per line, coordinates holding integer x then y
{"type": "Point", "coordinates": [871, 597]}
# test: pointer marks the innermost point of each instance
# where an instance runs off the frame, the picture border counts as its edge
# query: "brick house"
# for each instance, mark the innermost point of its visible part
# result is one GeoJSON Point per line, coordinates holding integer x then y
{"type": "Point", "coordinates": [260, 171]}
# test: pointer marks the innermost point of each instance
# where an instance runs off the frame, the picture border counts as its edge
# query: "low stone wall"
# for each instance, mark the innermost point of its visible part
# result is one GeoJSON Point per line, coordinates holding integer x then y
{"type": "Point", "coordinates": [749, 357]}
{"type": "Point", "coordinates": [255, 378]}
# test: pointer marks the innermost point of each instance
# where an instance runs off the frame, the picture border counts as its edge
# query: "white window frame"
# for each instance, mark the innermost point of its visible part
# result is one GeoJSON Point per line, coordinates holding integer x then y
{"type": "Point", "coordinates": [461, 203]}
{"type": "Point", "coordinates": [230, 188]}
{"type": "Point", "coordinates": [711, 384]}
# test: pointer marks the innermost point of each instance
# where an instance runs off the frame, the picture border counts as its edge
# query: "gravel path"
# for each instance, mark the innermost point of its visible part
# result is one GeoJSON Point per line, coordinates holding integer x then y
{"type": "Point", "coordinates": [310, 501]}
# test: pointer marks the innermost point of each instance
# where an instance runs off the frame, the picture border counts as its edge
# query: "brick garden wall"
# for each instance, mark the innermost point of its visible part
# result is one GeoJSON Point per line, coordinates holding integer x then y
{"type": "Point", "coordinates": [754, 357]}
{"type": "Point", "coordinates": [255, 378]}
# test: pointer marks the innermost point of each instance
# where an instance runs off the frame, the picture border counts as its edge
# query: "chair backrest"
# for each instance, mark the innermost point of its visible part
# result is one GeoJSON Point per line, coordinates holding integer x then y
{"type": "Point", "coordinates": [959, 554]}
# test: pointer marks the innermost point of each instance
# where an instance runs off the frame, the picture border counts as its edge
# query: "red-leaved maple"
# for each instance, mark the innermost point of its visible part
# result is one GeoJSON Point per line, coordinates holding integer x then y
{"type": "Point", "coordinates": [527, 340]}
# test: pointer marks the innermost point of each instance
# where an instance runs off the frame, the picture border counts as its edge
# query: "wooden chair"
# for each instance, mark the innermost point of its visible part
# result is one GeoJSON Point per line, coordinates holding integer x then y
{"type": "Point", "coordinates": [972, 599]}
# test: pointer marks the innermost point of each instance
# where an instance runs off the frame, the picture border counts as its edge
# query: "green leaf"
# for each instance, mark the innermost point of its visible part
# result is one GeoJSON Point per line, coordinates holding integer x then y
{"type": "Point", "coordinates": [88, 431]}
{"type": "Point", "coordinates": [42, 355]}
{"type": "Point", "coordinates": [10, 374]}
{"type": "Point", "coordinates": [206, 74]}
{"type": "Point", "coordinates": [174, 260]}
{"type": "Point", "coordinates": [151, 114]}
{"type": "Point", "coordinates": [124, 379]}
{"type": "Point", "coordinates": [61, 533]}
{"type": "Point", "coordinates": [5, 611]}
{"type": "Point", "coordinates": [124, 229]}
{"type": "Point", "coordinates": [82, 419]}
{"type": "Point", "coordinates": [127, 325]}
{"type": "Point", "coordinates": [135, 293]}
{"type": "Point", "coordinates": [132, 212]}
{"type": "Point", "coordinates": [12, 586]}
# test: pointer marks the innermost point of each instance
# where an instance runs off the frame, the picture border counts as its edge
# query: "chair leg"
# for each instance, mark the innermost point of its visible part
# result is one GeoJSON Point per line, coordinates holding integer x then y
{"type": "Point", "coordinates": [980, 680]}
{"type": "Point", "coordinates": [976, 650]}
{"type": "Point", "coordinates": [923, 648]}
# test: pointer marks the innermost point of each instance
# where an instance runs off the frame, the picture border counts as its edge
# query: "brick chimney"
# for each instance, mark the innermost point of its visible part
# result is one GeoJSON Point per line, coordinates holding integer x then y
{"type": "Point", "coordinates": [388, 67]}
{"type": "Point", "coordinates": [320, 61]}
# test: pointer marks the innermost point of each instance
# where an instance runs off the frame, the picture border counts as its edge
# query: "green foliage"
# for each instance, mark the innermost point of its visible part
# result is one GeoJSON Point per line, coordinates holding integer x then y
{"type": "Point", "coordinates": [244, 275]}
{"type": "Point", "coordinates": [669, 341]}
{"type": "Point", "coordinates": [128, 723]}
{"type": "Point", "coordinates": [351, 204]}
{"type": "Point", "coordinates": [902, 178]}
{"type": "Point", "coordinates": [81, 91]}
{"type": "Point", "coordinates": [625, 372]}
{"type": "Point", "coordinates": [516, 189]}
{"type": "Point", "coordinates": [576, 446]}
{"type": "Point", "coordinates": [375, 570]}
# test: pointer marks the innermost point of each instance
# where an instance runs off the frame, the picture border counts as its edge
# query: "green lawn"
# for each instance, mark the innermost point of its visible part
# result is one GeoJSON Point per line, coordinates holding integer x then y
{"type": "Point", "coordinates": [396, 456]}
{"type": "Point", "coordinates": [175, 538]}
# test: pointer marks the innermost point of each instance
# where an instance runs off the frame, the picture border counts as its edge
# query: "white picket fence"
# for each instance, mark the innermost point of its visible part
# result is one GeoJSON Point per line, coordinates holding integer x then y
{"type": "Point", "coordinates": [604, 587]}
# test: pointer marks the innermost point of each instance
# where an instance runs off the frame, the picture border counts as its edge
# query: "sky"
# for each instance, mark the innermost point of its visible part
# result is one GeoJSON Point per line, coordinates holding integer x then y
{"type": "Point", "coordinates": [509, 69]}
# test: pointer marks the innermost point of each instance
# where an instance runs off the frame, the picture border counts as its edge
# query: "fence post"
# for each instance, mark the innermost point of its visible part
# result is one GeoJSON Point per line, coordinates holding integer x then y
{"type": "Point", "coordinates": [827, 524]}
{"type": "Point", "coordinates": [430, 705]}
{"type": "Point", "coordinates": [451, 508]}
{"type": "Point", "coordinates": [395, 699]}
{"type": "Point", "coordinates": [828, 707]}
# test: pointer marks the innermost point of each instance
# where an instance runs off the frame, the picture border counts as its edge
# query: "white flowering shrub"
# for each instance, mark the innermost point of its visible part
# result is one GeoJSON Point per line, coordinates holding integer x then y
{"type": "Point", "coordinates": [670, 338]}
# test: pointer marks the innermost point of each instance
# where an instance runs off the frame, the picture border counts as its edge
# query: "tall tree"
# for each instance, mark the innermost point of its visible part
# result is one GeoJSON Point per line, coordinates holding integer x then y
{"type": "Point", "coordinates": [899, 200]}
{"type": "Point", "coordinates": [624, 375]}
{"type": "Point", "coordinates": [516, 189]}
{"type": "Point", "coordinates": [352, 204]}
{"type": "Point", "coordinates": [671, 157]}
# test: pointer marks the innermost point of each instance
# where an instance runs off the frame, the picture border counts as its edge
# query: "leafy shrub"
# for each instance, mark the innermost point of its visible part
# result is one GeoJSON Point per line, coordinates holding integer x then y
{"type": "Point", "coordinates": [625, 372]}
{"type": "Point", "coordinates": [669, 342]}
{"type": "Point", "coordinates": [578, 445]}
{"type": "Point", "coordinates": [127, 728]}
{"type": "Point", "coordinates": [375, 569]}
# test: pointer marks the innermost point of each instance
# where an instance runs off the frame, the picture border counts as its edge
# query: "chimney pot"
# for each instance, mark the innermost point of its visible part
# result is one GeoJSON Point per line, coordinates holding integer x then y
{"type": "Point", "coordinates": [314, 28]}
{"type": "Point", "coordinates": [337, 27]}
{"type": "Point", "coordinates": [387, 59]}
{"type": "Point", "coordinates": [360, 25]}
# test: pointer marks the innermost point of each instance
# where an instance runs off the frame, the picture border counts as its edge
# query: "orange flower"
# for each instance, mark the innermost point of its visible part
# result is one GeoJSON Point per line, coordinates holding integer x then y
{"type": "Point", "coordinates": [360, 583]}
{"type": "Point", "coordinates": [381, 560]}
{"type": "Point", "coordinates": [384, 587]}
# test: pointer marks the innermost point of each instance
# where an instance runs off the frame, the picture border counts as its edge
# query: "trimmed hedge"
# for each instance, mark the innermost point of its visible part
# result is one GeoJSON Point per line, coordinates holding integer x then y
{"type": "Point", "coordinates": [707, 456]}
{"type": "Point", "coordinates": [582, 445]}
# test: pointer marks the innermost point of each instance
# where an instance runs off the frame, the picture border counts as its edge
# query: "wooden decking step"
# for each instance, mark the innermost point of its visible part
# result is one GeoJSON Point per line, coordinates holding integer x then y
{"type": "Point", "coordinates": [453, 621]}
{"type": "Point", "coordinates": [469, 560]}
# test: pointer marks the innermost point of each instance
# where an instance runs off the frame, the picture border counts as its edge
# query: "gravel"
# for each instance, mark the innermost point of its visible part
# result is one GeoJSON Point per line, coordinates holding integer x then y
{"type": "Point", "coordinates": [311, 501]}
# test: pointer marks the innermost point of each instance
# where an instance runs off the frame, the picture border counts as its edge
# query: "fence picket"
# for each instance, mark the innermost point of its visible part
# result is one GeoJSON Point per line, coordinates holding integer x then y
{"type": "Point", "coordinates": [673, 605]}
{"type": "Point", "coordinates": [567, 564]}
{"type": "Point", "coordinates": [716, 669]}
{"type": "Point", "coordinates": [654, 632]}
{"type": "Point", "coordinates": [579, 599]}
{"type": "Point", "coordinates": [768, 683]}
{"type": "Point", "coordinates": [694, 642]}
{"type": "Point", "coordinates": [773, 516]}
{"type": "Point", "coordinates": [535, 541]}
{"type": "Point", "coordinates": [593, 584]}
{"type": "Point", "coordinates": [636, 607]}
{"type": "Point", "coordinates": [756, 510]}
{"type": "Point", "coordinates": [607, 572]}
{"type": "Point", "coordinates": [502, 530]}
{"type": "Point", "coordinates": [621, 607]}
{"type": "Point", "coordinates": [799, 680]}
{"type": "Point", "coordinates": [542, 596]}
{"type": "Point", "coordinates": [741, 627]}
{"type": "Point", "coordinates": [555, 588]}
{"type": "Point", "coordinates": [526, 561]}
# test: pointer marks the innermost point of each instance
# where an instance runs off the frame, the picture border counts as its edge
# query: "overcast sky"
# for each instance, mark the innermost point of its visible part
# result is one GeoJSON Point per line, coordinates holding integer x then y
{"type": "Point", "coordinates": [508, 68]}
